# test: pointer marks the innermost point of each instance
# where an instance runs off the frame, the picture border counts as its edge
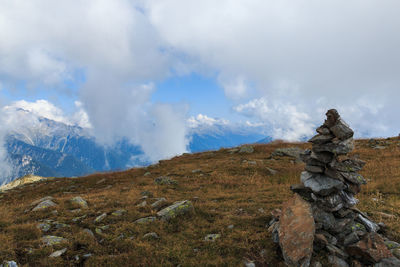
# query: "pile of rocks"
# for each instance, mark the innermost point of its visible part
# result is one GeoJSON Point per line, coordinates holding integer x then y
{"type": "Point", "coordinates": [321, 217]}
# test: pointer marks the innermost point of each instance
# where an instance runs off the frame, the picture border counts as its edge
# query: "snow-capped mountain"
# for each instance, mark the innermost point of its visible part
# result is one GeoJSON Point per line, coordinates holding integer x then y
{"type": "Point", "coordinates": [211, 134]}
{"type": "Point", "coordinates": [44, 147]}
{"type": "Point", "coordinates": [37, 145]}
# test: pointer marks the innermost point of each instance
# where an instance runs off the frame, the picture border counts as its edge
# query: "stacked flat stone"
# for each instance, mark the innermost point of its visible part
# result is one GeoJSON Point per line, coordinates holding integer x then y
{"type": "Point", "coordinates": [328, 186]}
{"type": "Point", "coordinates": [329, 182]}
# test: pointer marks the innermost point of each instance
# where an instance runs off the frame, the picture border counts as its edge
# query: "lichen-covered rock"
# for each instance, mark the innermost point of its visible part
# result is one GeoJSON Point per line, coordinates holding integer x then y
{"type": "Point", "coordinates": [296, 232]}
{"type": "Point", "coordinates": [44, 205]}
{"type": "Point", "coordinates": [293, 152]}
{"type": "Point", "coordinates": [34, 203]}
{"type": "Point", "coordinates": [391, 244]}
{"type": "Point", "coordinates": [88, 231]}
{"type": "Point", "coordinates": [150, 236]}
{"type": "Point", "coordinates": [118, 213]}
{"type": "Point", "coordinates": [9, 264]}
{"type": "Point", "coordinates": [50, 240]}
{"type": "Point", "coordinates": [354, 178]}
{"type": "Point", "coordinates": [58, 253]}
{"type": "Point", "coordinates": [178, 208]}
{"type": "Point", "coordinates": [159, 203]}
{"type": "Point", "coordinates": [348, 165]}
{"type": "Point", "coordinates": [100, 218]}
{"type": "Point", "coordinates": [212, 237]}
{"type": "Point", "coordinates": [246, 149]}
{"type": "Point", "coordinates": [80, 202]}
{"type": "Point", "coordinates": [44, 227]}
{"type": "Point", "coordinates": [163, 180]}
{"type": "Point", "coordinates": [145, 220]}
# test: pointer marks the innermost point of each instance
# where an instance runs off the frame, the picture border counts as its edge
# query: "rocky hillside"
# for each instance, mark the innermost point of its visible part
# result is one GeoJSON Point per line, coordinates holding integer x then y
{"type": "Point", "coordinates": [205, 209]}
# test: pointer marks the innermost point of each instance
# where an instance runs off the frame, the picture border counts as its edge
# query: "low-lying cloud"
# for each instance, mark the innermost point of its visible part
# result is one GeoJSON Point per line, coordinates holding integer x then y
{"type": "Point", "coordinates": [283, 63]}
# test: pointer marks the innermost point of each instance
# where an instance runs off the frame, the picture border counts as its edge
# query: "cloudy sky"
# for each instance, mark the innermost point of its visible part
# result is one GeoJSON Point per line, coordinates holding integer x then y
{"type": "Point", "coordinates": [141, 69]}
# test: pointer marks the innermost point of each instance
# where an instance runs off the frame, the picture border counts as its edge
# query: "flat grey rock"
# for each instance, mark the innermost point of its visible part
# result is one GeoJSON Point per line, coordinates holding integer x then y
{"type": "Point", "coordinates": [321, 184]}
{"type": "Point", "coordinates": [321, 138]}
{"type": "Point", "coordinates": [336, 147]}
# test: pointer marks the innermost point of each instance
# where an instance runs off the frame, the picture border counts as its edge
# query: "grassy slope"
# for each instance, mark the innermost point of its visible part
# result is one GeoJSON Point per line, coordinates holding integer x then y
{"type": "Point", "coordinates": [227, 191]}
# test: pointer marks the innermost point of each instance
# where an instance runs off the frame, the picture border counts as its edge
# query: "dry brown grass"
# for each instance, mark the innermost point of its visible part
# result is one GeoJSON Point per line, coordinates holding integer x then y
{"type": "Point", "coordinates": [227, 191]}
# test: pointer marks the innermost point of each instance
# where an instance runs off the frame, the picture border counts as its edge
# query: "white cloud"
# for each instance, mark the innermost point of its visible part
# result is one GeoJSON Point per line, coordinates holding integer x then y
{"type": "Point", "coordinates": [41, 108]}
{"type": "Point", "coordinates": [294, 52]}
{"type": "Point", "coordinates": [204, 120]}
{"type": "Point", "coordinates": [5, 166]}
{"type": "Point", "coordinates": [287, 121]}
{"type": "Point", "coordinates": [113, 43]}
{"type": "Point", "coordinates": [303, 56]}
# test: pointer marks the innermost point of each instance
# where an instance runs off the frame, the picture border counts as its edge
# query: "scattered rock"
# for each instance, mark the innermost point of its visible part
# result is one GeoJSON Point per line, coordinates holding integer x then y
{"type": "Point", "coordinates": [212, 237]}
{"type": "Point", "coordinates": [88, 231]}
{"type": "Point", "coordinates": [196, 171]}
{"type": "Point", "coordinates": [9, 264]}
{"type": "Point", "coordinates": [44, 205]}
{"type": "Point", "coordinates": [231, 226]}
{"type": "Point", "coordinates": [178, 208]}
{"type": "Point", "coordinates": [44, 227]}
{"type": "Point", "coordinates": [249, 263]}
{"type": "Point", "coordinates": [296, 232]}
{"type": "Point", "coordinates": [164, 180]}
{"type": "Point", "coordinates": [246, 149]}
{"type": "Point", "coordinates": [80, 202]}
{"type": "Point", "coordinates": [159, 203]}
{"type": "Point", "coordinates": [293, 152]}
{"type": "Point", "coordinates": [101, 181]}
{"type": "Point", "coordinates": [271, 171]}
{"type": "Point", "coordinates": [147, 174]}
{"type": "Point", "coordinates": [78, 219]}
{"type": "Point", "coordinates": [142, 204]}
{"type": "Point", "coordinates": [150, 236]}
{"type": "Point", "coordinates": [118, 213]}
{"type": "Point", "coordinates": [50, 240]}
{"type": "Point", "coordinates": [100, 218]}
{"type": "Point", "coordinates": [145, 220]}
{"type": "Point", "coordinates": [58, 253]}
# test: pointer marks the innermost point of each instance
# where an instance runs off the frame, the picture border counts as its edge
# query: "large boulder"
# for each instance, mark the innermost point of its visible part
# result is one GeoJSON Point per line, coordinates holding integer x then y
{"type": "Point", "coordinates": [296, 232]}
{"type": "Point", "coordinates": [178, 208]}
{"type": "Point", "coordinates": [44, 205]}
{"type": "Point", "coordinates": [79, 201]}
{"type": "Point", "coordinates": [50, 240]}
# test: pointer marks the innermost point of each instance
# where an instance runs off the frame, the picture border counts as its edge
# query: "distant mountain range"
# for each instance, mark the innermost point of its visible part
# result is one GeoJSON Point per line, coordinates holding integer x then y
{"type": "Point", "coordinates": [47, 148]}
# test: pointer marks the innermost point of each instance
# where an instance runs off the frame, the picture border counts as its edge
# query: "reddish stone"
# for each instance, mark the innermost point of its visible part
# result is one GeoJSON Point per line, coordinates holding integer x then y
{"type": "Point", "coordinates": [371, 249]}
{"type": "Point", "coordinates": [296, 232]}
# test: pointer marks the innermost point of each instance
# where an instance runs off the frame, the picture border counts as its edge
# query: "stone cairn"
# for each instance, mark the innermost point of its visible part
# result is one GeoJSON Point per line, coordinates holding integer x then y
{"type": "Point", "coordinates": [321, 218]}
